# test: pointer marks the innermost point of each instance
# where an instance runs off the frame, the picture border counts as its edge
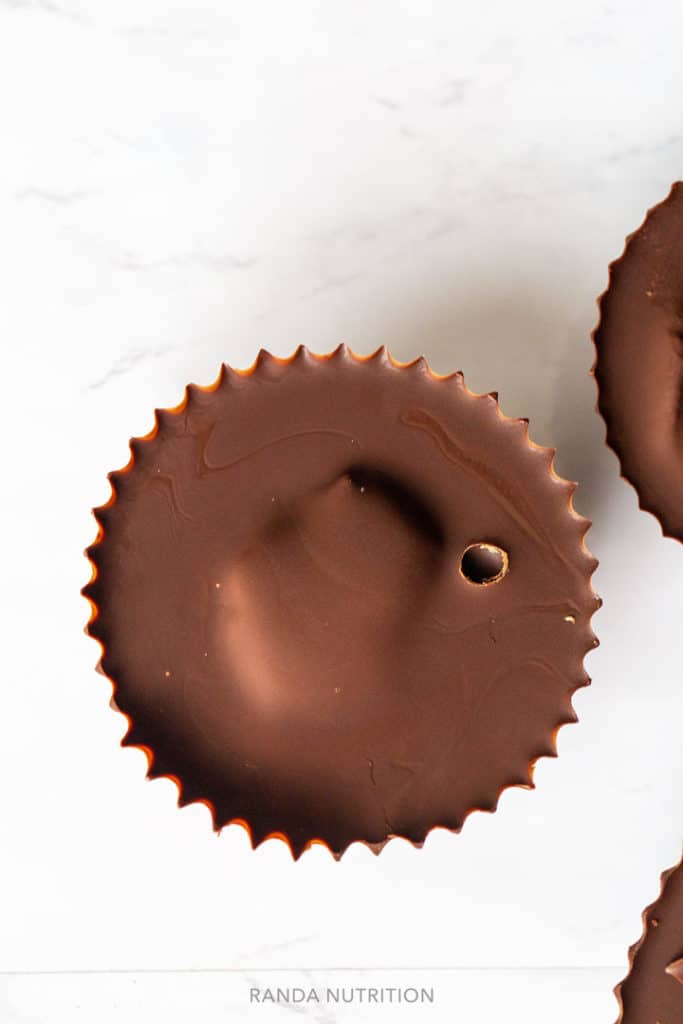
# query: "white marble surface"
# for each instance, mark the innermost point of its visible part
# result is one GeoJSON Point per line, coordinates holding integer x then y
{"type": "Point", "coordinates": [182, 182]}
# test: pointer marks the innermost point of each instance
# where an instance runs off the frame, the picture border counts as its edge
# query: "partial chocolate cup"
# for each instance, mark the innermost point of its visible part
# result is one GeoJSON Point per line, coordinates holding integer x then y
{"type": "Point", "coordinates": [639, 361]}
{"type": "Point", "coordinates": [341, 599]}
{"type": "Point", "coordinates": [653, 990]}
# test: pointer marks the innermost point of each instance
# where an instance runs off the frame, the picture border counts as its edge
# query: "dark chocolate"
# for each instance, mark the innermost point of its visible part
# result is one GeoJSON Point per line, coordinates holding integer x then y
{"type": "Point", "coordinates": [341, 599]}
{"type": "Point", "coordinates": [639, 361]}
{"type": "Point", "coordinates": [653, 991]}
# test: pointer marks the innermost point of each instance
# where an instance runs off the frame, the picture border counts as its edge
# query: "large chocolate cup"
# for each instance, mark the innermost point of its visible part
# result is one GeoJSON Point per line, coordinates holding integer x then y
{"type": "Point", "coordinates": [639, 361]}
{"type": "Point", "coordinates": [653, 990]}
{"type": "Point", "coordinates": [341, 599]}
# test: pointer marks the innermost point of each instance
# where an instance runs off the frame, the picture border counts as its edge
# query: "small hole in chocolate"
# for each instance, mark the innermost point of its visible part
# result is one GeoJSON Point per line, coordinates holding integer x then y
{"type": "Point", "coordinates": [484, 563]}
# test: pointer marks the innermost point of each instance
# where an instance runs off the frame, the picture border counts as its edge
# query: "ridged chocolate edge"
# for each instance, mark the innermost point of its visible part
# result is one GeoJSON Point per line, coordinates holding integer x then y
{"type": "Point", "coordinates": [342, 352]}
{"type": "Point", "coordinates": [609, 434]}
{"type": "Point", "coordinates": [637, 946]}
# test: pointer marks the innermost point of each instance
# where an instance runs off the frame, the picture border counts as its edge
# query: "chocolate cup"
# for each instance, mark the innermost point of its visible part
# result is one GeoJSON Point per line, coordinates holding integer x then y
{"type": "Point", "coordinates": [638, 364]}
{"type": "Point", "coordinates": [341, 599]}
{"type": "Point", "coordinates": [653, 988]}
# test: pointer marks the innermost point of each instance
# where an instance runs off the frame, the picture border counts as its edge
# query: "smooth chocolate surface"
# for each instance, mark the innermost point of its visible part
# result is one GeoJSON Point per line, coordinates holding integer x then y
{"type": "Point", "coordinates": [653, 991]}
{"type": "Point", "coordinates": [639, 367]}
{"type": "Point", "coordinates": [341, 599]}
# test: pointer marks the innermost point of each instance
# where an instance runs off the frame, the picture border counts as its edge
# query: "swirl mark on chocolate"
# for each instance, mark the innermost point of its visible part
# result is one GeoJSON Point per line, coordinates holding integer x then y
{"type": "Point", "coordinates": [169, 489]}
{"type": "Point", "coordinates": [567, 608]}
{"type": "Point", "coordinates": [322, 431]}
{"type": "Point", "coordinates": [500, 490]}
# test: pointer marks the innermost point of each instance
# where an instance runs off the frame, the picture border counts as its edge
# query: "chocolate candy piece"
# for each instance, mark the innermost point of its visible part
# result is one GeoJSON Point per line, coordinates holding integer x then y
{"type": "Point", "coordinates": [341, 599]}
{"type": "Point", "coordinates": [653, 991]}
{"type": "Point", "coordinates": [639, 365]}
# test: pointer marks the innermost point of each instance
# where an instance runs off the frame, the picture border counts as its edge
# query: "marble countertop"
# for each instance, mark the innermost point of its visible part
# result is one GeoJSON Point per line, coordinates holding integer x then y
{"type": "Point", "coordinates": [182, 183]}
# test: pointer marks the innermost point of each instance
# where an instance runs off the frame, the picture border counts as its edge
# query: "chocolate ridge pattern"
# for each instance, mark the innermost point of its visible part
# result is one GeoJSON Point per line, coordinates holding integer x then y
{"type": "Point", "coordinates": [649, 926]}
{"type": "Point", "coordinates": [263, 362]}
{"type": "Point", "coordinates": [668, 528]}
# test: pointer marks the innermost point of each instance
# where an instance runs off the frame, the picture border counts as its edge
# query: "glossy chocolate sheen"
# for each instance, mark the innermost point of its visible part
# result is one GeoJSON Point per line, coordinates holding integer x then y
{"type": "Point", "coordinates": [653, 991]}
{"type": "Point", "coordinates": [281, 591]}
{"type": "Point", "coordinates": [639, 367]}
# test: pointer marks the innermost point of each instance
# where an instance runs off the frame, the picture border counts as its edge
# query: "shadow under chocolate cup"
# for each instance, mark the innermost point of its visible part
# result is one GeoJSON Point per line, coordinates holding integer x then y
{"type": "Point", "coordinates": [653, 990]}
{"type": "Point", "coordinates": [341, 599]}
